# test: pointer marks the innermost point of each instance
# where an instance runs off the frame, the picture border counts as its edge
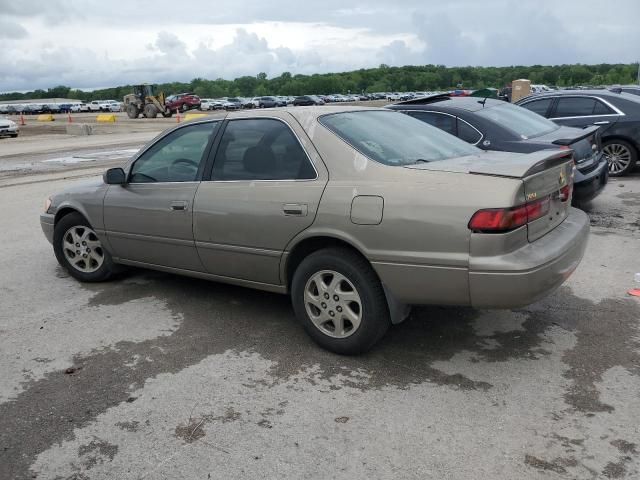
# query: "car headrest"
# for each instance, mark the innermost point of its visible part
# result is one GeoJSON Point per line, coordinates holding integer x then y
{"type": "Point", "coordinates": [259, 160]}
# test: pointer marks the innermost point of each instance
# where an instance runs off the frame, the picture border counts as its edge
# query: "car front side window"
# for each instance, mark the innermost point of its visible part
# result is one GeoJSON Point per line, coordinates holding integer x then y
{"type": "Point", "coordinates": [176, 157]}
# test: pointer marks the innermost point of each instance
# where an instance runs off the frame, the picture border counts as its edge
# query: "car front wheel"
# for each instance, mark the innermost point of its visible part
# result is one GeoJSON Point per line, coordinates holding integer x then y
{"type": "Point", "coordinates": [339, 300]}
{"type": "Point", "coordinates": [79, 250]}
{"type": "Point", "coordinates": [622, 157]}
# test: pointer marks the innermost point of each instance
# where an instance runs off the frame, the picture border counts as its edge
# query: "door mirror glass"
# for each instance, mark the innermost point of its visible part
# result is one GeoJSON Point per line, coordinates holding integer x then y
{"type": "Point", "coordinates": [114, 176]}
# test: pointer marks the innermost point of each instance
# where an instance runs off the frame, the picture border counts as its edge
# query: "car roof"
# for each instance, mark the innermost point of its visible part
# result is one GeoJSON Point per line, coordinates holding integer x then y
{"type": "Point", "coordinates": [591, 92]}
{"type": "Point", "coordinates": [302, 114]}
{"type": "Point", "coordinates": [445, 101]}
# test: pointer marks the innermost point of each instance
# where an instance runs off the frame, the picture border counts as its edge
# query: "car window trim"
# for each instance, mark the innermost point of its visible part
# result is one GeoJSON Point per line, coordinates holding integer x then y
{"type": "Point", "coordinates": [617, 111]}
{"type": "Point", "coordinates": [450, 115]}
{"type": "Point", "coordinates": [209, 173]}
{"type": "Point", "coordinates": [201, 166]}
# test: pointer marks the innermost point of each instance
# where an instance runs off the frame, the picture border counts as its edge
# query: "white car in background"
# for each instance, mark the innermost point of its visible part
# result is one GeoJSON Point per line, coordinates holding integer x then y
{"type": "Point", "coordinates": [8, 127]}
{"type": "Point", "coordinates": [79, 107]}
{"type": "Point", "coordinates": [206, 104]}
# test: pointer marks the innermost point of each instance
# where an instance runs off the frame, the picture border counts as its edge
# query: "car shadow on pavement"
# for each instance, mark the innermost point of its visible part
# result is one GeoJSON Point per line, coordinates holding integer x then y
{"type": "Point", "coordinates": [215, 318]}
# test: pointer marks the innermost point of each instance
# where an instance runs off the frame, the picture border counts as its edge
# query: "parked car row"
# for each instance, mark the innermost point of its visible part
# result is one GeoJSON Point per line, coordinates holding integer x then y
{"type": "Point", "coordinates": [39, 108]}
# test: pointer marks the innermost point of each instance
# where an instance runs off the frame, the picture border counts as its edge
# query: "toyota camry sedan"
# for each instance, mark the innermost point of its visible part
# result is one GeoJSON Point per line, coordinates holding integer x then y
{"type": "Point", "coordinates": [333, 206]}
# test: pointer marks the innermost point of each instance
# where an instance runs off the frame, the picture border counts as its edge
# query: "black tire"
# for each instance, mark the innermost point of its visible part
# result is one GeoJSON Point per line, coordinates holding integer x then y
{"type": "Point", "coordinates": [150, 111]}
{"type": "Point", "coordinates": [375, 319]}
{"type": "Point", "coordinates": [167, 114]}
{"type": "Point", "coordinates": [617, 172]}
{"type": "Point", "coordinates": [184, 107]}
{"type": "Point", "coordinates": [132, 111]}
{"type": "Point", "coordinates": [104, 272]}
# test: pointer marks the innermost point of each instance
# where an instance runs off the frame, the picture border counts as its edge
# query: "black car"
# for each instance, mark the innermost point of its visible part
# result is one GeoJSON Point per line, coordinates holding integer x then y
{"type": "Point", "coordinates": [492, 124]}
{"type": "Point", "coordinates": [304, 100]}
{"type": "Point", "coordinates": [617, 114]}
{"type": "Point", "coordinates": [632, 89]}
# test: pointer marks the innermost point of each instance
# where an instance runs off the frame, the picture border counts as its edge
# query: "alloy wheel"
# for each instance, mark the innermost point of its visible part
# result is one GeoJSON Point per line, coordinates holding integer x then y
{"type": "Point", "coordinates": [618, 156]}
{"type": "Point", "coordinates": [82, 249]}
{"type": "Point", "coordinates": [333, 304]}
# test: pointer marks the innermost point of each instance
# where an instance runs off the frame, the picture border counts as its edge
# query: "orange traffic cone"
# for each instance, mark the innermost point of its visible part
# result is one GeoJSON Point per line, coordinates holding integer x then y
{"type": "Point", "coordinates": [178, 116]}
{"type": "Point", "coordinates": [22, 122]}
{"type": "Point", "coordinates": [69, 115]}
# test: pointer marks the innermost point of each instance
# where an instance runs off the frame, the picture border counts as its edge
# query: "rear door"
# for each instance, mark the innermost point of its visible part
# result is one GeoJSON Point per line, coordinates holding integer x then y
{"type": "Point", "coordinates": [264, 188]}
{"type": "Point", "coordinates": [583, 111]}
{"type": "Point", "coordinates": [149, 219]}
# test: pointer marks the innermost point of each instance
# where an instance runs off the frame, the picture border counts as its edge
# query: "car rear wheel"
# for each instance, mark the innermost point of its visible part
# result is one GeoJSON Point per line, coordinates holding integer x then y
{"type": "Point", "coordinates": [79, 250]}
{"type": "Point", "coordinates": [340, 302]}
{"type": "Point", "coordinates": [621, 155]}
{"type": "Point", "coordinates": [184, 107]}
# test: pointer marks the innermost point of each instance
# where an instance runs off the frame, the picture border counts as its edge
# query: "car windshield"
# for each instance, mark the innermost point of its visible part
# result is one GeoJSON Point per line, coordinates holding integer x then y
{"type": "Point", "coordinates": [524, 123]}
{"type": "Point", "coordinates": [393, 138]}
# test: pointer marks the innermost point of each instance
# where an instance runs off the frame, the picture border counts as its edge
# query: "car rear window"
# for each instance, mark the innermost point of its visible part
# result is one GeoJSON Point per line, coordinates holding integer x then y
{"type": "Point", "coordinates": [392, 138]}
{"type": "Point", "coordinates": [519, 120]}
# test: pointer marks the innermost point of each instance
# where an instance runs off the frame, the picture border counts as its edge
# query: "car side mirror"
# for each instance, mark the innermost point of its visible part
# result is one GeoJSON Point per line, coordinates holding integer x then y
{"type": "Point", "coordinates": [115, 176]}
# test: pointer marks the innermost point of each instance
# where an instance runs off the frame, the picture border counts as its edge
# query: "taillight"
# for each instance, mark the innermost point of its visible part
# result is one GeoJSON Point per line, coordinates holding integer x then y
{"type": "Point", "coordinates": [565, 192]}
{"type": "Point", "coordinates": [499, 220]}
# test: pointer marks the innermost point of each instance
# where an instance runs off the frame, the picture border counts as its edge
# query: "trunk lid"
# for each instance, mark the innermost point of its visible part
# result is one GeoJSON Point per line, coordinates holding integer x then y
{"type": "Point", "coordinates": [545, 174]}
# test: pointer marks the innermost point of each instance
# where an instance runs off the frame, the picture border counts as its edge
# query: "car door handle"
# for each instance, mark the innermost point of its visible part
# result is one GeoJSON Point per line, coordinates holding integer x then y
{"type": "Point", "coordinates": [295, 209]}
{"type": "Point", "coordinates": [179, 206]}
{"type": "Point", "coordinates": [602, 122]}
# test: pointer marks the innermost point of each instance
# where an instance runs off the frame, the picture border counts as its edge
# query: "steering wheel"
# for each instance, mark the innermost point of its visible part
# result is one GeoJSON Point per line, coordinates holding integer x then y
{"type": "Point", "coordinates": [184, 168]}
{"type": "Point", "coordinates": [186, 161]}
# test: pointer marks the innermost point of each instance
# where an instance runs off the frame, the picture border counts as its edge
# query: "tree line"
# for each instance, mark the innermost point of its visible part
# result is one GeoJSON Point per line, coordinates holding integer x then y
{"type": "Point", "coordinates": [381, 79]}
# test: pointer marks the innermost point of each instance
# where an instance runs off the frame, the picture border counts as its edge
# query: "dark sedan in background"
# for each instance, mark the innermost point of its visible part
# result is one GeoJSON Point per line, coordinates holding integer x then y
{"type": "Point", "coordinates": [617, 115]}
{"type": "Point", "coordinates": [306, 100]}
{"type": "Point", "coordinates": [495, 125]}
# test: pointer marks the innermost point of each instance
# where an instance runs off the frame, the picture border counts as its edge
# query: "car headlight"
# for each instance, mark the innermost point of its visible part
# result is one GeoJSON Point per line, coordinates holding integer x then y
{"type": "Point", "coordinates": [47, 204]}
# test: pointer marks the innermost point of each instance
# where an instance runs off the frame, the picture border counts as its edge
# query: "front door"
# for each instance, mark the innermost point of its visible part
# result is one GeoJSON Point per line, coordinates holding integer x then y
{"type": "Point", "coordinates": [149, 219]}
{"type": "Point", "coordinates": [265, 188]}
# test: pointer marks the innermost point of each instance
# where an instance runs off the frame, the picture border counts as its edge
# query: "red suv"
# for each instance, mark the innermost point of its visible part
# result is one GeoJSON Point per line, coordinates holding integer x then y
{"type": "Point", "coordinates": [183, 102]}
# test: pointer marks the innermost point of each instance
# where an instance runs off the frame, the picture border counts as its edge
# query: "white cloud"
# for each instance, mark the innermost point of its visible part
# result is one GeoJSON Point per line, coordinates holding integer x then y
{"type": "Point", "coordinates": [95, 43]}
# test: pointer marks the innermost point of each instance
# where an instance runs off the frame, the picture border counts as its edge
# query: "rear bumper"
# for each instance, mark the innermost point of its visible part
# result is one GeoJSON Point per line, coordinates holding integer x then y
{"type": "Point", "coordinates": [588, 186]}
{"type": "Point", "coordinates": [524, 276]}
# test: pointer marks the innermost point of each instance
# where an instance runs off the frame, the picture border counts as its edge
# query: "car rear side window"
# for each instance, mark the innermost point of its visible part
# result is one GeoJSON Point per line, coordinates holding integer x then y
{"type": "Point", "coordinates": [395, 139]}
{"type": "Point", "coordinates": [602, 109]}
{"type": "Point", "coordinates": [575, 107]}
{"type": "Point", "coordinates": [260, 149]}
{"type": "Point", "coordinates": [442, 121]}
{"type": "Point", "coordinates": [539, 106]}
{"type": "Point", "coordinates": [468, 133]}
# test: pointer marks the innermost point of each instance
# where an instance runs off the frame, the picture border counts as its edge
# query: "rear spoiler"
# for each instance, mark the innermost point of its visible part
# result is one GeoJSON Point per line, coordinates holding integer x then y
{"type": "Point", "coordinates": [525, 165]}
{"type": "Point", "coordinates": [568, 141]}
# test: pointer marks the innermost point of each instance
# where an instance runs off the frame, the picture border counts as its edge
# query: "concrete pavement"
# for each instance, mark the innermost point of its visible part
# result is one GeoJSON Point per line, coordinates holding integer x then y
{"type": "Point", "coordinates": [161, 377]}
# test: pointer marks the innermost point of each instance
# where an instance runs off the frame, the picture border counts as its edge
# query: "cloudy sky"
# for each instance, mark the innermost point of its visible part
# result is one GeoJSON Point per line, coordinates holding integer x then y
{"type": "Point", "coordinates": [99, 43]}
